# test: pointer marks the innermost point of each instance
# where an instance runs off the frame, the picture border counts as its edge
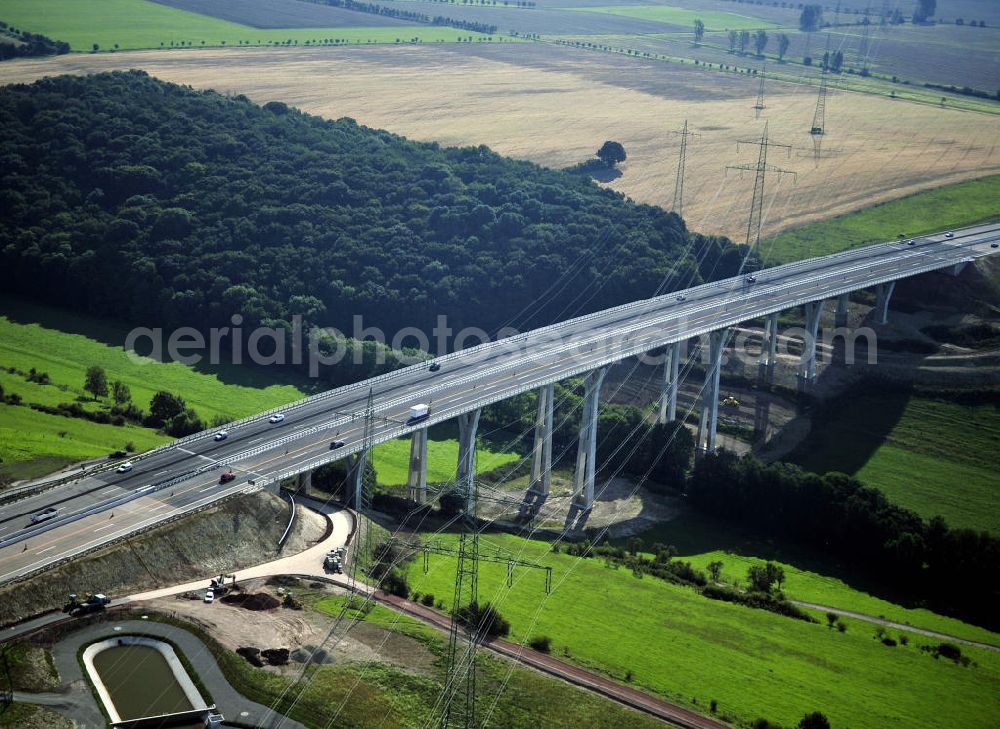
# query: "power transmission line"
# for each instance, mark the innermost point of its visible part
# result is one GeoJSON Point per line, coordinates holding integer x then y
{"type": "Point", "coordinates": [759, 106]}
{"type": "Point", "coordinates": [678, 206]}
{"type": "Point", "coordinates": [760, 169]}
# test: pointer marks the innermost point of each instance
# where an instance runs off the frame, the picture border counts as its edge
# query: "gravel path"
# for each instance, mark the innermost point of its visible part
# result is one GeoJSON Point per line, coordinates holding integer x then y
{"type": "Point", "coordinates": [893, 624]}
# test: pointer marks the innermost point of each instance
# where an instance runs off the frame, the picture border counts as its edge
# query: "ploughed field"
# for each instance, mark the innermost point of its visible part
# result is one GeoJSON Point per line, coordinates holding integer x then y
{"type": "Point", "coordinates": [556, 106]}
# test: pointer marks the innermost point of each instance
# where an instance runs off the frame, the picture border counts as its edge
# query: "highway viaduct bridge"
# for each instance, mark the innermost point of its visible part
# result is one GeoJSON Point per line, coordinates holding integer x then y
{"type": "Point", "coordinates": [183, 476]}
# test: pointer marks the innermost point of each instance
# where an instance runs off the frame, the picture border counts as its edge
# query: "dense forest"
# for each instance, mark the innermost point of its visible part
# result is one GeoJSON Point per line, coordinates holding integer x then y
{"type": "Point", "coordinates": [125, 196]}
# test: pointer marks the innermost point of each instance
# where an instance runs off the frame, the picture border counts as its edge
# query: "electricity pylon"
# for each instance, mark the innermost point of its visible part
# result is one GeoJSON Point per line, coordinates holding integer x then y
{"type": "Point", "coordinates": [818, 128]}
{"type": "Point", "coordinates": [761, 169]}
{"type": "Point", "coordinates": [759, 106]}
{"type": "Point", "coordinates": [459, 698]}
{"type": "Point", "coordinates": [678, 206]}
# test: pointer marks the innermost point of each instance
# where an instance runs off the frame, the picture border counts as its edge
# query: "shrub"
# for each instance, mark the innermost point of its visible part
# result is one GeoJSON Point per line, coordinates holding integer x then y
{"type": "Point", "coordinates": [541, 643]}
{"type": "Point", "coordinates": [815, 720]}
{"type": "Point", "coordinates": [427, 599]}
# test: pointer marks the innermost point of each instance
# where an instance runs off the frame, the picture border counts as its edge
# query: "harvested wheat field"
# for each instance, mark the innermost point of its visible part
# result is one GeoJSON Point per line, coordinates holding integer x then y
{"type": "Point", "coordinates": [556, 106]}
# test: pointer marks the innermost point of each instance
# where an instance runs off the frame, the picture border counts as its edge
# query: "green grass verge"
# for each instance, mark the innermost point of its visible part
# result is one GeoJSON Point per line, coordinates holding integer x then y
{"type": "Point", "coordinates": [702, 539]}
{"type": "Point", "coordinates": [30, 667]}
{"type": "Point", "coordinates": [690, 649]}
{"type": "Point", "coordinates": [713, 19]}
{"type": "Point", "coordinates": [933, 456]}
{"type": "Point", "coordinates": [136, 24]}
{"type": "Point", "coordinates": [951, 206]}
{"type": "Point", "coordinates": [392, 459]}
{"type": "Point", "coordinates": [47, 442]}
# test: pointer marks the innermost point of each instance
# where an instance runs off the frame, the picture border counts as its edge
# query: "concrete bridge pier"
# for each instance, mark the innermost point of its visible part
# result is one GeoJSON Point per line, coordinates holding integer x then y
{"type": "Point", "coordinates": [355, 480]}
{"type": "Point", "coordinates": [807, 363]}
{"type": "Point", "coordinates": [769, 349]}
{"type": "Point", "coordinates": [883, 292]}
{"type": "Point", "coordinates": [416, 482]}
{"type": "Point", "coordinates": [586, 452]}
{"type": "Point", "coordinates": [468, 424]}
{"type": "Point", "coordinates": [305, 482]}
{"type": "Point", "coordinates": [668, 390]}
{"type": "Point", "coordinates": [541, 456]}
{"type": "Point", "coordinates": [841, 316]}
{"type": "Point", "coordinates": [708, 425]}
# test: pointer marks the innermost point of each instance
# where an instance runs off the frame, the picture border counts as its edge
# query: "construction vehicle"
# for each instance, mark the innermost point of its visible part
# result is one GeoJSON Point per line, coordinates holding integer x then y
{"type": "Point", "coordinates": [333, 562]}
{"type": "Point", "coordinates": [227, 476]}
{"type": "Point", "coordinates": [731, 402]}
{"type": "Point", "coordinates": [291, 601]}
{"type": "Point", "coordinates": [91, 603]}
{"type": "Point", "coordinates": [218, 584]}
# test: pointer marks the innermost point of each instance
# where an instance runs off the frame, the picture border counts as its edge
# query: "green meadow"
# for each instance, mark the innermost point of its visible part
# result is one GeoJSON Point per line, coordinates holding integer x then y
{"type": "Point", "coordinates": [934, 456]}
{"type": "Point", "coordinates": [701, 539]}
{"type": "Point", "coordinates": [951, 206]}
{"type": "Point", "coordinates": [392, 459]}
{"type": "Point", "coordinates": [136, 24]}
{"type": "Point", "coordinates": [672, 641]}
{"type": "Point", "coordinates": [63, 345]}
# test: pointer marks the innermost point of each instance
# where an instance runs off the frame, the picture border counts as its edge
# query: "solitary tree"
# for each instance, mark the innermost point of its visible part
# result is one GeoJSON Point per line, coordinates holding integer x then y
{"type": "Point", "coordinates": [96, 382]}
{"type": "Point", "coordinates": [760, 42]}
{"type": "Point", "coordinates": [744, 40]}
{"type": "Point", "coordinates": [164, 406]}
{"type": "Point", "coordinates": [811, 18]}
{"type": "Point", "coordinates": [925, 9]}
{"type": "Point", "coordinates": [95, 48]}
{"type": "Point", "coordinates": [120, 392]}
{"type": "Point", "coordinates": [611, 153]}
{"type": "Point", "coordinates": [763, 577]}
{"type": "Point", "coordinates": [699, 30]}
{"type": "Point", "coordinates": [715, 570]}
{"type": "Point", "coordinates": [783, 43]}
{"type": "Point", "coordinates": [734, 38]}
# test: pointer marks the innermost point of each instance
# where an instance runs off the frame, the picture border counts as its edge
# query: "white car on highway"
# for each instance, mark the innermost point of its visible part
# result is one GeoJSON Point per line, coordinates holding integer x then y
{"type": "Point", "coordinates": [125, 467]}
{"type": "Point", "coordinates": [276, 418]}
{"type": "Point", "coordinates": [222, 435]}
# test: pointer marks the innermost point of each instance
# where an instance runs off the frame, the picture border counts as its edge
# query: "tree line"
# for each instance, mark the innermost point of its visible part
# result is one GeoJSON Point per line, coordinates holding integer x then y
{"type": "Point", "coordinates": [411, 15]}
{"type": "Point", "coordinates": [955, 571]}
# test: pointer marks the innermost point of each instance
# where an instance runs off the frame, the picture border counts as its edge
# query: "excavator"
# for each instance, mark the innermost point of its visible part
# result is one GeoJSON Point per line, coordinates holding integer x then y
{"type": "Point", "coordinates": [218, 584]}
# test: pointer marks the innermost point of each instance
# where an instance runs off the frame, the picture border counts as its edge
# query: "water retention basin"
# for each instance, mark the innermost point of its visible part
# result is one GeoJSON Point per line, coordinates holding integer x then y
{"type": "Point", "coordinates": [139, 677]}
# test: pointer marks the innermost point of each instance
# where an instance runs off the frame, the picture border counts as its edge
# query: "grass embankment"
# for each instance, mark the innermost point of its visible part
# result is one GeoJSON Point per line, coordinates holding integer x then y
{"type": "Point", "coordinates": [138, 24]}
{"type": "Point", "coordinates": [30, 668]}
{"type": "Point", "coordinates": [690, 649]}
{"type": "Point", "coordinates": [29, 716]}
{"type": "Point", "coordinates": [379, 693]}
{"type": "Point", "coordinates": [701, 539]}
{"type": "Point", "coordinates": [934, 456]}
{"type": "Point", "coordinates": [951, 206]}
{"type": "Point", "coordinates": [63, 345]}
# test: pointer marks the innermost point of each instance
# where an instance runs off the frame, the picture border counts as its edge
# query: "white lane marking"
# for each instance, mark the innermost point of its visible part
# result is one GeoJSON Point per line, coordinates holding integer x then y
{"type": "Point", "coordinates": [43, 551]}
{"type": "Point", "coordinates": [160, 473]}
{"type": "Point", "coordinates": [106, 526]}
{"type": "Point", "coordinates": [185, 450]}
{"type": "Point", "coordinates": [157, 508]}
{"type": "Point", "coordinates": [207, 488]}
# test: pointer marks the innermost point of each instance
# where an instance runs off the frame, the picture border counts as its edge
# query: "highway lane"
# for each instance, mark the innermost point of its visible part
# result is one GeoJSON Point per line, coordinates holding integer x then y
{"type": "Point", "coordinates": [487, 374]}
